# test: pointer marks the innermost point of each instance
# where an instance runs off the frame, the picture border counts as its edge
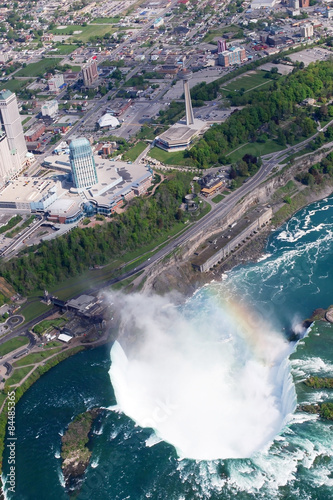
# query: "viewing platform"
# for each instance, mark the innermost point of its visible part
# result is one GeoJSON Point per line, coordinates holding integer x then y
{"type": "Point", "coordinates": [235, 235]}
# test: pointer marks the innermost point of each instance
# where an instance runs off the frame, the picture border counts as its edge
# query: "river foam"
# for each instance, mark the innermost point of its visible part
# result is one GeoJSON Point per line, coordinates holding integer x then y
{"type": "Point", "coordinates": [208, 381]}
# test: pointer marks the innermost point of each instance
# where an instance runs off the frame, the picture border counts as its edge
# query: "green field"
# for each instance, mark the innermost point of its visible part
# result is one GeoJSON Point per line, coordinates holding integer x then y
{"type": "Point", "coordinates": [86, 31]}
{"type": "Point", "coordinates": [218, 198]}
{"type": "Point", "coordinates": [64, 49]}
{"type": "Point", "coordinates": [125, 283]}
{"type": "Point", "coordinates": [40, 67]}
{"type": "Point", "coordinates": [28, 118]}
{"type": "Point", "coordinates": [173, 158]}
{"type": "Point", "coordinates": [36, 357]}
{"type": "Point", "coordinates": [256, 149]}
{"type": "Point", "coordinates": [211, 34]}
{"type": "Point", "coordinates": [248, 81]}
{"type": "Point", "coordinates": [2, 398]}
{"type": "Point", "coordinates": [46, 324]}
{"type": "Point", "coordinates": [15, 85]}
{"type": "Point", "coordinates": [105, 20]}
{"type": "Point", "coordinates": [13, 344]}
{"type": "Point", "coordinates": [134, 152]}
{"type": "Point", "coordinates": [18, 375]}
{"type": "Point", "coordinates": [33, 308]}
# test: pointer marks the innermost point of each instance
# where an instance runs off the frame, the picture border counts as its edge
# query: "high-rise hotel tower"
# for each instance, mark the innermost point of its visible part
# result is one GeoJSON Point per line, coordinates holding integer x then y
{"type": "Point", "coordinates": [82, 163]}
{"type": "Point", "coordinates": [13, 147]}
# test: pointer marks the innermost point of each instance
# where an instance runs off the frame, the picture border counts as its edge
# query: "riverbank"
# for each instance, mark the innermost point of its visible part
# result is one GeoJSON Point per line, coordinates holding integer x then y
{"type": "Point", "coordinates": [177, 274]}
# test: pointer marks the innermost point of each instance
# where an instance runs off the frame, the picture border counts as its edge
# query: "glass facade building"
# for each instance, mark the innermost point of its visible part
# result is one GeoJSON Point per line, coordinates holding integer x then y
{"type": "Point", "coordinates": [82, 163]}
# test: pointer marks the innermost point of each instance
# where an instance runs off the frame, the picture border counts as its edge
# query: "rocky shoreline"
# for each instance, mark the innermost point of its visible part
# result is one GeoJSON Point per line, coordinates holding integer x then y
{"type": "Point", "coordinates": [75, 452]}
{"type": "Point", "coordinates": [319, 315]}
{"type": "Point", "coordinates": [178, 275]}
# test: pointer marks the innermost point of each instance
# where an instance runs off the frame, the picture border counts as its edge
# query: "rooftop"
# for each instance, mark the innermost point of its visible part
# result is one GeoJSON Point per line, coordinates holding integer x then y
{"type": "Point", "coordinates": [4, 94]}
{"type": "Point", "coordinates": [82, 302]}
{"type": "Point", "coordinates": [27, 189]}
{"type": "Point", "coordinates": [80, 141]}
{"type": "Point", "coordinates": [180, 133]}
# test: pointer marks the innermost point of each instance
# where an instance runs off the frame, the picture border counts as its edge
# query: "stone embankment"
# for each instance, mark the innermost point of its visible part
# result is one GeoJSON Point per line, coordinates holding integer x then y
{"type": "Point", "coordinates": [176, 271]}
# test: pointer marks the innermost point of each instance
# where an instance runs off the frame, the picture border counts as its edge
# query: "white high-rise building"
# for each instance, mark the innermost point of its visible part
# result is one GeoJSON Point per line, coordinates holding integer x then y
{"type": "Point", "coordinates": [10, 121]}
{"type": "Point", "coordinates": [6, 160]}
{"type": "Point", "coordinates": [82, 163]}
{"type": "Point", "coordinates": [307, 30]}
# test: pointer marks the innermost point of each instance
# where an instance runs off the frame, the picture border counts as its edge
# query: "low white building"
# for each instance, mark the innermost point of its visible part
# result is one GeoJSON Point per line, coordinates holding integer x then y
{"type": "Point", "coordinates": [56, 83]}
{"type": "Point", "coordinates": [158, 22]}
{"type": "Point", "coordinates": [108, 120]}
{"type": "Point", "coordinates": [50, 108]}
{"type": "Point", "coordinates": [260, 4]}
{"type": "Point", "coordinates": [65, 338]}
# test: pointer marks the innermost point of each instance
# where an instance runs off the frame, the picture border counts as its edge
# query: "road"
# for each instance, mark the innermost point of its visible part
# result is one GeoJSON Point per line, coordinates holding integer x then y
{"type": "Point", "coordinates": [13, 246]}
{"type": "Point", "coordinates": [218, 212]}
{"type": "Point", "coordinates": [24, 329]}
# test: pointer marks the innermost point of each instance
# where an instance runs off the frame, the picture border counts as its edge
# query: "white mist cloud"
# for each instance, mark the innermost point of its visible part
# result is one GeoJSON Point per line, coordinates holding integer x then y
{"type": "Point", "coordinates": [206, 385]}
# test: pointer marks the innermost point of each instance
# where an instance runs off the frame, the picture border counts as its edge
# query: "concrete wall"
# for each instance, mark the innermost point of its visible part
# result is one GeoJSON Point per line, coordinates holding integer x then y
{"type": "Point", "coordinates": [260, 195]}
{"type": "Point", "coordinates": [238, 240]}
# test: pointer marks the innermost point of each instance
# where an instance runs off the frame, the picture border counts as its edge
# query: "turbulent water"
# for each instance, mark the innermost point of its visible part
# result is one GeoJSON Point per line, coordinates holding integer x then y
{"type": "Point", "coordinates": [194, 384]}
{"type": "Point", "coordinates": [211, 378]}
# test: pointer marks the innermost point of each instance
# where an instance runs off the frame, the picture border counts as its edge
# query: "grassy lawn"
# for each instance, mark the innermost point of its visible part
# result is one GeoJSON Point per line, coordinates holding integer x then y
{"type": "Point", "coordinates": [33, 308]}
{"type": "Point", "coordinates": [64, 49]}
{"type": "Point", "coordinates": [11, 223]}
{"type": "Point", "coordinates": [26, 119]}
{"type": "Point", "coordinates": [123, 284]}
{"type": "Point", "coordinates": [13, 344]}
{"type": "Point", "coordinates": [289, 189]}
{"type": "Point", "coordinates": [36, 357]}
{"type": "Point", "coordinates": [248, 81]}
{"type": "Point", "coordinates": [73, 286]}
{"type": "Point", "coordinates": [34, 69]}
{"type": "Point", "coordinates": [105, 20]}
{"type": "Point", "coordinates": [2, 397]}
{"type": "Point", "coordinates": [256, 149]}
{"type": "Point", "coordinates": [173, 158]}
{"type": "Point", "coordinates": [46, 324]}
{"type": "Point", "coordinates": [146, 132]}
{"type": "Point", "coordinates": [17, 229]}
{"type": "Point", "coordinates": [218, 198]}
{"type": "Point", "coordinates": [18, 375]}
{"type": "Point", "coordinates": [290, 186]}
{"type": "Point", "coordinates": [53, 343]}
{"type": "Point", "coordinates": [220, 32]}
{"type": "Point", "coordinates": [134, 152]}
{"type": "Point", "coordinates": [86, 31]}
{"type": "Point", "coordinates": [15, 85]}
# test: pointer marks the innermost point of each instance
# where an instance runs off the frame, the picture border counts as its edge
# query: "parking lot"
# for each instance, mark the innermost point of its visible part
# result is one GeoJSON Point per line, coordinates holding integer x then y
{"type": "Point", "coordinates": [309, 56]}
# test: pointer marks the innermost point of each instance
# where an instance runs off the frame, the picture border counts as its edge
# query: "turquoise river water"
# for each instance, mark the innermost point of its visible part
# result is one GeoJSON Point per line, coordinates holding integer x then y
{"type": "Point", "coordinates": [204, 404]}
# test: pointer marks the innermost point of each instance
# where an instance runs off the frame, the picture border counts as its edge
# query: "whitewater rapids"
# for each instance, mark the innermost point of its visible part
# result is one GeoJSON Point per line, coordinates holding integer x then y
{"type": "Point", "coordinates": [210, 381]}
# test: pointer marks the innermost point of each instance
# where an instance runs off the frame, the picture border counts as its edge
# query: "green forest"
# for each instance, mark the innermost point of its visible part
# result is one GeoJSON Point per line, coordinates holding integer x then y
{"type": "Point", "coordinates": [144, 220]}
{"type": "Point", "coordinates": [269, 113]}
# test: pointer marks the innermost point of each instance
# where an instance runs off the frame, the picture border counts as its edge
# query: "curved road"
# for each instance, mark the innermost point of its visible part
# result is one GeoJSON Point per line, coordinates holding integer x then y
{"type": "Point", "coordinates": [218, 212]}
